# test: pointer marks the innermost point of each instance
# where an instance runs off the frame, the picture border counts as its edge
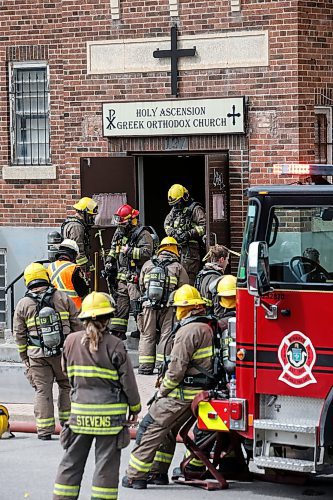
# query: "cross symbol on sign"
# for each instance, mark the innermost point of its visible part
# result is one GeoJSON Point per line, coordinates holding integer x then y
{"type": "Point", "coordinates": [233, 114]}
{"type": "Point", "coordinates": [174, 54]}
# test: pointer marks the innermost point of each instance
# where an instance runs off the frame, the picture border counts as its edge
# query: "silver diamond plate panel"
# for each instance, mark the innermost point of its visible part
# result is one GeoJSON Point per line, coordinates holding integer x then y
{"type": "Point", "coordinates": [290, 409]}
{"type": "Point", "coordinates": [308, 427]}
{"type": "Point", "coordinates": [291, 464]}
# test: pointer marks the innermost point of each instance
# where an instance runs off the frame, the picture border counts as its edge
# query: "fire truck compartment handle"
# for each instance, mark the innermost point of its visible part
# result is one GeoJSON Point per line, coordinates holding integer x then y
{"type": "Point", "coordinates": [285, 312]}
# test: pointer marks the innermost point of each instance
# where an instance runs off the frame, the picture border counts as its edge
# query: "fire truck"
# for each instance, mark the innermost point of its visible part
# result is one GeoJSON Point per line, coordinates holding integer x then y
{"type": "Point", "coordinates": [280, 346]}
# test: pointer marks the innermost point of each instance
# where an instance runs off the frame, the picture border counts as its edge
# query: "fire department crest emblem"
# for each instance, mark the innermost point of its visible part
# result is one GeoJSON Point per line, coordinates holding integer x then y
{"type": "Point", "coordinates": [297, 357]}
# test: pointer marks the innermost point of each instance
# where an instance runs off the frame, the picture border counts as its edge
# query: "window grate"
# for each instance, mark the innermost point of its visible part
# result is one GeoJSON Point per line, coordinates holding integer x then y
{"type": "Point", "coordinates": [30, 98]}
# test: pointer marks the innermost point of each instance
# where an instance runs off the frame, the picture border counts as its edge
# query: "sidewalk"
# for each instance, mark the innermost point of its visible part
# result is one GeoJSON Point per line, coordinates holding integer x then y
{"type": "Point", "coordinates": [25, 412]}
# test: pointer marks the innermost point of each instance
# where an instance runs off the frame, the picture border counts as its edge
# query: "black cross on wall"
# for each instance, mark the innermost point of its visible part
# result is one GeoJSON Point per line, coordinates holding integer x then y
{"type": "Point", "coordinates": [174, 54]}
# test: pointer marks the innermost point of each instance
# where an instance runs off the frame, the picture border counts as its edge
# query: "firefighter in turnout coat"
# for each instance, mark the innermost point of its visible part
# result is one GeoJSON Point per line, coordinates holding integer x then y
{"type": "Point", "coordinates": [104, 399]}
{"type": "Point", "coordinates": [226, 294]}
{"type": "Point", "coordinates": [67, 276]}
{"type": "Point", "coordinates": [43, 362]}
{"type": "Point", "coordinates": [77, 227]}
{"type": "Point", "coordinates": [131, 246]}
{"type": "Point", "coordinates": [159, 277]}
{"type": "Point", "coordinates": [186, 222]}
{"type": "Point", "coordinates": [192, 351]}
{"type": "Point", "coordinates": [208, 278]}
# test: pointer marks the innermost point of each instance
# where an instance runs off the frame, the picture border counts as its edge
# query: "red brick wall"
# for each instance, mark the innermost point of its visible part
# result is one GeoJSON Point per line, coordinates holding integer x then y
{"type": "Point", "coordinates": [281, 96]}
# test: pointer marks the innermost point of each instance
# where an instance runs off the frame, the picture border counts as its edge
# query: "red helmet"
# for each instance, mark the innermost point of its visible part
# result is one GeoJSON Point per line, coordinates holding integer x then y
{"type": "Point", "coordinates": [125, 214]}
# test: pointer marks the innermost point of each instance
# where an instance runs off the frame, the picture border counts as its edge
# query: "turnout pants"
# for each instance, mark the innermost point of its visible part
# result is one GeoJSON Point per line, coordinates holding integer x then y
{"type": "Point", "coordinates": [148, 321]}
{"type": "Point", "coordinates": [190, 259]}
{"type": "Point", "coordinates": [71, 468]}
{"type": "Point", "coordinates": [127, 293]}
{"type": "Point", "coordinates": [156, 440]}
{"type": "Point", "coordinates": [41, 374]}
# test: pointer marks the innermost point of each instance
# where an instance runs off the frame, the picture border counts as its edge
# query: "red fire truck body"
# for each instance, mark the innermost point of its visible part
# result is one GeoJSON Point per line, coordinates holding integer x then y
{"type": "Point", "coordinates": [283, 342]}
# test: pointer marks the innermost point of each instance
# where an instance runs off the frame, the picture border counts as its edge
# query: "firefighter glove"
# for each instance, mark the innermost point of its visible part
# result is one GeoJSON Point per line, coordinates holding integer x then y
{"type": "Point", "coordinates": [184, 237]}
{"type": "Point", "coordinates": [109, 268]}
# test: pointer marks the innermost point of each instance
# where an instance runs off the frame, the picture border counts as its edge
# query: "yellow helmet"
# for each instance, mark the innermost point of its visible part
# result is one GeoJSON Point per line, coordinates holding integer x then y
{"type": "Point", "coordinates": [86, 205]}
{"type": "Point", "coordinates": [226, 287]}
{"type": "Point", "coordinates": [170, 244]}
{"type": "Point", "coordinates": [187, 295]}
{"type": "Point", "coordinates": [96, 304]}
{"type": "Point", "coordinates": [176, 193]}
{"type": "Point", "coordinates": [35, 274]}
{"type": "Point", "coordinates": [4, 420]}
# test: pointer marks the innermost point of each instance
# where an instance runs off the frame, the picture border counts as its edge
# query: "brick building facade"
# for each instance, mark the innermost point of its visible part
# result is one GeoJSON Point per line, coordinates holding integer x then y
{"type": "Point", "coordinates": [275, 54]}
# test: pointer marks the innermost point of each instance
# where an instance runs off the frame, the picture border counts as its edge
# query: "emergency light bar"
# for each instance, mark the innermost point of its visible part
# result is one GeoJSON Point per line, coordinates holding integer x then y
{"type": "Point", "coordinates": [302, 169]}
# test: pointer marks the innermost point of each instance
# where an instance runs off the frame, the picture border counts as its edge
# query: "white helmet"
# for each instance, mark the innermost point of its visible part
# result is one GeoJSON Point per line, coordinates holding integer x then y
{"type": "Point", "coordinates": [71, 244]}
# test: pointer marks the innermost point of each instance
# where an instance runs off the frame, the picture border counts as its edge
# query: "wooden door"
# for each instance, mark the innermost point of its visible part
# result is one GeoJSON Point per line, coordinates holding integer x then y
{"type": "Point", "coordinates": [217, 199]}
{"type": "Point", "coordinates": [107, 175]}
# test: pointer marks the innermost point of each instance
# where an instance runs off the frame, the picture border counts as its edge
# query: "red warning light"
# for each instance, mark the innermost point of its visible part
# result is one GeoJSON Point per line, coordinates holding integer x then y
{"type": "Point", "coordinates": [292, 169]}
{"type": "Point", "coordinates": [302, 169]}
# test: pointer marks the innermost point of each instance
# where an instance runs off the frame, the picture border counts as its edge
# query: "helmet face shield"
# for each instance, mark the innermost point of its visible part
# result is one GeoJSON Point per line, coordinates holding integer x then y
{"type": "Point", "coordinates": [125, 215]}
{"type": "Point", "coordinates": [87, 205]}
{"type": "Point", "coordinates": [117, 220]}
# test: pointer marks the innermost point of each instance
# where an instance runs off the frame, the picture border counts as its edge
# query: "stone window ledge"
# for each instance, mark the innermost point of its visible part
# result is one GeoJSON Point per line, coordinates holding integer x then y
{"type": "Point", "coordinates": [29, 172]}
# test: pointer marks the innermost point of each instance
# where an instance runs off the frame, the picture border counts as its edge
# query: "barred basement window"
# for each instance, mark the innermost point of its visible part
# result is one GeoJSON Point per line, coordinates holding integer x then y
{"type": "Point", "coordinates": [323, 135]}
{"type": "Point", "coordinates": [29, 114]}
{"type": "Point", "coordinates": [3, 273]}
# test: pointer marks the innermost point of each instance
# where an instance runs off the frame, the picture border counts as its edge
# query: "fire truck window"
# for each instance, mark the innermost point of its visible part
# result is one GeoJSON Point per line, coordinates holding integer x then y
{"type": "Point", "coordinates": [300, 245]}
{"type": "Point", "coordinates": [249, 234]}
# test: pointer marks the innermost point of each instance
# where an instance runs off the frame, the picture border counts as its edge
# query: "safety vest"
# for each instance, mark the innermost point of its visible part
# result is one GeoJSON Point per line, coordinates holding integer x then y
{"type": "Point", "coordinates": [61, 273]}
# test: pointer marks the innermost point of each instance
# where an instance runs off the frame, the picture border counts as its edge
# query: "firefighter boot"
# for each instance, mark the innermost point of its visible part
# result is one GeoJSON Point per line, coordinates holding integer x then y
{"type": "Point", "coordinates": [136, 484]}
{"type": "Point", "coordinates": [45, 437]}
{"type": "Point", "coordinates": [161, 479]}
{"type": "Point", "coordinates": [145, 370]}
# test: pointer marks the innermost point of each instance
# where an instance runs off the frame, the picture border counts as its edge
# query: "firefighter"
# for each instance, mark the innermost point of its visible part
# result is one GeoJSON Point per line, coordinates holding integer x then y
{"type": "Point", "coordinates": [104, 394]}
{"type": "Point", "coordinates": [159, 277]}
{"type": "Point", "coordinates": [226, 292]}
{"type": "Point", "coordinates": [208, 277]}
{"type": "Point", "coordinates": [77, 227]}
{"type": "Point", "coordinates": [67, 276]}
{"type": "Point", "coordinates": [42, 320]}
{"type": "Point", "coordinates": [312, 254]}
{"type": "Point", "coordinates": [131, 246]}
{"type": "Point", "coordinates": [156, 438]}
{"type": "Point", "coordinates": [186, 222]}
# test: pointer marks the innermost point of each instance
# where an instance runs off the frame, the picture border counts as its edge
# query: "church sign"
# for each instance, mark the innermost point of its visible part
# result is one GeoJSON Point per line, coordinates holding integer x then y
{"type": "Point", "coordinates": [174, 117]}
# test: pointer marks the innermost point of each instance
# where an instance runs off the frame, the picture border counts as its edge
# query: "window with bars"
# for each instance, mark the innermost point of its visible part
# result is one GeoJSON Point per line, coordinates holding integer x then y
{"type": "Point", "coordinates": [323, 135]}
{"type": "Point", "coordinates": [3, 279]}
{"type": "Point", "coordinates": [30, 110]}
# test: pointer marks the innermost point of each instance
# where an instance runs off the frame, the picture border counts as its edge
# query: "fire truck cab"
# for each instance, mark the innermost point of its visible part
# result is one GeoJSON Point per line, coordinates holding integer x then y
{"type": "Point", "coordinates": [283, 348]}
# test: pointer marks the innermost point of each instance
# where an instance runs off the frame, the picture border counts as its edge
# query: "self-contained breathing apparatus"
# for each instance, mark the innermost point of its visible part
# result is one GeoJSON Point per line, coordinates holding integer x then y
{"type": "Point", "coordinates": [228, 343]}
{"type": "Point", "coordinates": [158, 286]}
{"type": "Point", "coordinates": [47, 322]}
{"type": "Point", "coordinates": [214, 379]}
{"type": "Point", "coordinates": [53, 241]}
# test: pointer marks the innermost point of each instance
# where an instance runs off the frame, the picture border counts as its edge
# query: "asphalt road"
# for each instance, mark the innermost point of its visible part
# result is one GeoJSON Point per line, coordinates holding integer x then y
{"type": "Point", "coordinates": [28, 468]}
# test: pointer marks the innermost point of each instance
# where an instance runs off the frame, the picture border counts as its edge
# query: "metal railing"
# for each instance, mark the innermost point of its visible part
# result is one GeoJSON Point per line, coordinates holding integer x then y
{"type": "Point", "coordinates": [10, 288]}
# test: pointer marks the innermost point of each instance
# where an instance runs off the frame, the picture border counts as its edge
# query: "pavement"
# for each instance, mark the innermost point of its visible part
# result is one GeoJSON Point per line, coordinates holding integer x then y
{"type": "Point", "coordinates": [29, 467]}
